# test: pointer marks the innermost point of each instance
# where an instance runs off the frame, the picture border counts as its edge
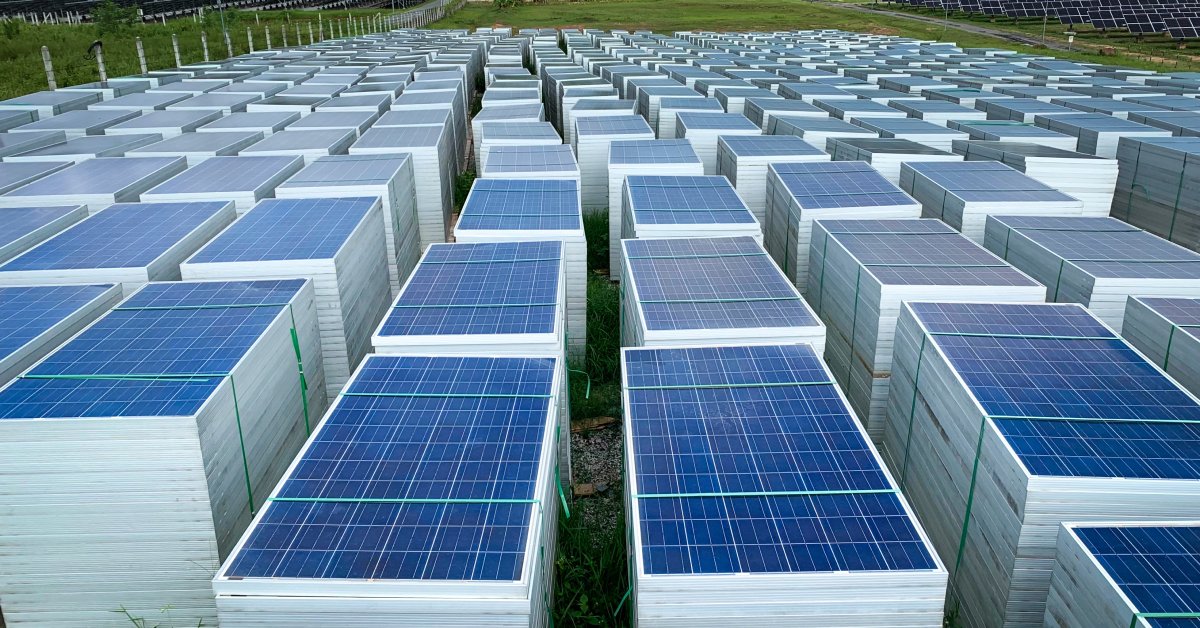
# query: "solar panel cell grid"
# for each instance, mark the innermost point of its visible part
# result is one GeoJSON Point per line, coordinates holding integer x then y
{"type": "Point", "coordinates": [522, 204]}
{"type": "Point", "coordinates": [839, 184]}
{"type": "Point", "coordinates": [288, 229]}
{"type": "Point", "coordinates": [28, 311]}
{"type": "Point", "coordinates": [1154, 566]}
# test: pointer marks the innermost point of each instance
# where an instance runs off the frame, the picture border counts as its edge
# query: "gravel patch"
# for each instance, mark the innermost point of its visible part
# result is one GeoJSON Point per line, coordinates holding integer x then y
{"type": "Point", "coordinates": [596, 458]}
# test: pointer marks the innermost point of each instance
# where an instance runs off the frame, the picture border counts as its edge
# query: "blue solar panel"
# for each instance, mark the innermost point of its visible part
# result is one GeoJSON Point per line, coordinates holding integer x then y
{"type": "Point", "coordinates": [986, 181]}
{"type": "Point", "coordinates": [652, 152]}
{"type": "Point", "coordinates": [703, 428]}
{"type": "Point", "coordinates": [1079, 402]}
{"type": "Point", "coordinates": [115, 368]}
{"type": "Point", "coordinates": [768, 145]}
{"type": "Point", "coordinates": [1179, 311]}
{"type": "Point", "coordinates": [288, 229]}
{"type": "Point", "coordinates": [522, 204]}
{"type": "Point", "coordinates": [1156, 567]}
{"type": "Point", "coordinates": [100, 175]}
{"type": "Point", "coordinates": [1105, 247]}
{"type": "Point", "coordinates": [712, 289]}
{"type": "Point", "coordinates": [441, 429]}
{"type": "Point", "coordinates": [486, 288]}
{"type": "Point", "coordinates": [712, 120]}
{"type": "Point", "coordinates": [18, 222]}
{"type": "Point", "coordinates": [228, 174]}
{"type": "Point", "coordinates": [674, 200]}
{"type": "Point", "coordinates": [29, 311]}
{"type": "Point", "coordinates": [839, 184]}
{"type": "Point", "coordinates": [613, 125]}
{"type": "Point", "coordinates": [125, 235]}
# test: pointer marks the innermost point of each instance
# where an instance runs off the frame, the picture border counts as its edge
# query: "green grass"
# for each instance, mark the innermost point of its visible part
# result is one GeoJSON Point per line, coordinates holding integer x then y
{"type": "Point", "coordinates": [727, 15]}
{"type": "Point", "coordinates": [21, 59]}
{"type": "Point", "coordinates": [590, 575]}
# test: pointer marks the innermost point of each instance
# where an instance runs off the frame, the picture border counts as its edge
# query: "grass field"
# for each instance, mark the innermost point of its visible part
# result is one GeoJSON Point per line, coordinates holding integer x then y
{"type": "Point", "coordinates": [21, 60]}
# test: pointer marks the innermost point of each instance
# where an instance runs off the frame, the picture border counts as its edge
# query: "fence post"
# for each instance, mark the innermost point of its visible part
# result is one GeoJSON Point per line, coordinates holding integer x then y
{"type": "Point", "coordinates": [283, 31]}
{"type": "Point", "coordinates": [228, 45]}
{"type": "Point", "coordinates": [320, 28]}
{"type": "Point", "coordinates": [249, 39]}
{"type": "Point", "coordinates": [310, 34]}
{"type": "Point", "coordinates": [267, 32]}
{"type": "Point", "coordinates": [141, 52]}
{"type": "Point", "coordinates": [204, 43]}
{"type": "Point", "coordinates": [46, 63]}
{"type": "Point", "coordinates": [175, 49]}
{"type": "Point", "coordinates": [298, 42]}
{"type": "Point", "coordinates": [100, 62]}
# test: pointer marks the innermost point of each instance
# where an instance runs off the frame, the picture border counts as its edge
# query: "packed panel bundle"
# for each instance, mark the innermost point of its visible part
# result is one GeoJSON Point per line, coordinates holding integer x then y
{"type": "Point", "coordinates": [87, 147]}
{"type": "Point", "coordinates": [684, 207]}
{"type": "Point", "coordinates": [35, 320]}
{"type": "Point", "coordinates": [1140, 574]}
{"type": "Point", "coordinates": [493, 135]}
{"type": "Point", "coordinates": [816, 131]}
{"type": "Point", "coordinates": [310, 144]}
{"type": "Point", "coordinates": [433, 158]}
{"type": "Point", "coordinates": [1097, 262]}
{"type": "Point", "coordinates": [798, 194]}
{"type": "Point", "coordinates": [673, 157]}
{"type": "Point", "coordinates": [265, 123]}
{"type": "Point", "coordinates": [727, 526]}
{"type": "Point", "coordinates": [668, 108]}
{"type": "Point", "coordinates": [744, 161]}
{"type": "Point", "coordinates": [15, 174]}
{"type": "Point", "coordinates": [760, 110]}
{"type": "Point", "coordinates": [919, 131]}
{"type": "Point", "coordinates": [1086, 177]}
{"type": "Point", "coordinates": [939, 112]}
{"type": "Point", "coordinates": [1005, 420]}
{"type": "Point", "coordinates": [21, 228]}
{"type": "Point", "coordinates": [135, 456]}
{"type": "Point", "coordinates": [457, 456]}
{"type": "Point", "coordinates": [531, 162]}
{"type": "Point", "coordinates": [964, 194]}
{"type": "Point", "coordinates": [128, 244]}
{"type": "Point", "coordinates": [168, 124]}
{"type": "Point", "coordinates": [860, 271]}
{"type": "Point", "coordinates": [687, 290]}
{"type": "Point", "coordinates": [1158, 186]}
{"type": "Point", "coordinates": [1167, 330]}
{"type": "Point", "coordinates": [78, 123]}
{"type": "Point", "coordinates": [593, 138]}
{"type": "Point", "coordinates": [243, 180]}
{"type": "Point", "coordinates": [507, 210]}
{"type": "Point", "coordinates": [1179, 123]}
{"type": "Point", "coordinates": [649, 101]}
{"type": "Point", "coordinates": [886, 155]}
{"type": "Point", "coordinates": [1097, 133]}
{"type": "Point", "coordinates": [1010, 131]}
{"type": "Point", "coordinates": [195, 147]}
{"type": "Point", "coordinates": [96, 183]}
{"type": "Point", "coordinates": [703, 128]}
{"type": "Point", "coordinates": [390, 177]}
{"type": "Point", "coordinates": [1020, 109]}
{"type": "Point", "coordinates": [338, 243]}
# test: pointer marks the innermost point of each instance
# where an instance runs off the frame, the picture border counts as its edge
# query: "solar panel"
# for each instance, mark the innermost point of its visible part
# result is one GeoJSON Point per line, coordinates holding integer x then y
{"type": "Point", "coordinates": [1153, 566]}
{"type": "Point", "coordinates": [718, 494]}
{"type": "Point", "coordinates": [288, 229]}
{"type": "Point", "coordinates": [985, 181]}
{"type": "Point", "coordinates": [1078, 403]}
{"type": "Point", "coordinates": [125, 235]}
{"type": "Point", "coordinates": [612, 125]}
{"type": "Point", "coordinates": [399, 137]}
{"type": "Point", "coordinates": [669, 151]}
{"type": "Point", "coordinates": [196, 345]}
{"type": "Point", "coordinates": [484, 288]}
{"type": "Point", "coordinates": [98, 176]}
{"type": "Point", "coordinates": [685, 200]}
{"type": "Point", "coordinates": [522, 204]}
{"type": "Point", "coordinates": [768, 145]}
{"type": "Point", "coordinates": [426, 469]}
{"type": "Point", "coordinates": [27, 312]}
{"type": "Point", "coordinates": [711, 120]}
{"type": "Point", "coordinates": [531, 159]}
{"type": "Point", "coordinates": [838, 184]}
{"type": "Point", "coordinates": [226, 174]}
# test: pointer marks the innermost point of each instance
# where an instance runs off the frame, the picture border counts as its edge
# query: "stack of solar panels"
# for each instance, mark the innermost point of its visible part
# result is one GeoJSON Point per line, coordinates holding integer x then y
{"type": "Point", "coordinates": [1156, 187]}
{"type": "Point", "coordinates": [136, 455]}
{"type": "Point", "coordinates": [816, 131]}
{"type": "Point", "coordinates": [507, 297]}
{"type": "Point", "coordinates": [595, 108]}
{"type": "Point", "coordinates": [1177, 122]}
{"type": "Point", "coordinates": [434, 164]}
{"type": "Point", "coordinates": [496, 134]}
{"type": "Point", "coordinates": [1007, 131]}
{"type": "Point", "coordinates": [744, 160]}
{"type": "Point", "coordinates": [593, 137]}
{"type": "Point", "coordinates": [390, 177]}
{"type": "Point", "coordinates": [1097, 262]}
{"type": "Point", "coordinates": [1097, 133]}
{"type": "Point", "coordinates": [1086, 177]}
{"type": "Point", "coordinates": [531, 162]}
{"type": "Point", "coordinates": [479, 522]}
{"type": "Point", "coordinates": [694, 504]}
{"type": "Point", "coordinates": [505, 210]}
{"type": "Point", "coordinates": [919, 131]}
{"type": "Point", "coordinates": [684, 207]}
{"type": "Point", "coordinates": [168, 124]}
{"type": "Point", "coordinates": [35, 320]}
{"type": "Point", "coordinates": [96, 183]}
{"type": "Point", "coordinates": [760, 110]}
{"type": "Point", "coordinates": [798, 194]}
{"type": "Point", "coordinates": [641, 157]}
{"type": "Point", "coordinates": [886, 155]}
{"type": "Point", "coordinates": [668, 108]}
{"type": "Point", "coordinates": [338, 243]}
{"type": "Point", "coordinates": [24, 227]}
{"type": "Point", "coordinates": [243, 180]}
{"type": "Point", "coordinates": [195, 147]}
{"type": "Point", "coordinates": [1023, 417]}
{"type": "Point", "coordinates": [1167, 330]}
{"type": "Point", "coordinates": [965, 193]}
{"type": "Point", "coordinates": [861, 271]}
{"type": "Point", "coordinates": [128, 244]}
{"type": "Point", "coordinates": [1133, 574]}
{"type": "Point", "coordinates": [702, 128]}
{"type": "Point", "coordinates": [310, 144]}
{"type": "Point", "coordinates": [938, 111]}
{"type": "Point", "coordinates": [712, 290]}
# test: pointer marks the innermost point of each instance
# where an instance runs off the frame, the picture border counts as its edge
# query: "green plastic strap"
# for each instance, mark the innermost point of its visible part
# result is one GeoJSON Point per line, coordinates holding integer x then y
{"type": "Point", "coordinates": [966, 525]}
{"type": "Point", "coordinates": [399, 500]}
{"type": "Point", "coordinates": [445, 395]}
{"type": "Point", "coordinates": [562, 495]}
{"type": "Point", "coordinates": [1136, 616]}
{"type": "Point", "coordinates": [625, 597]}
{"type": "Point", "coordinates": [879, 491]}
{"type": "Point", "coordinates": [853, 326]}
{"type": "Point", "coordinates": [179, 377]}
{"type": "Point", "coordinates": [746, 300]}
{"type": "Point", "coordinates": [300, 370]}
{"type": "Point", "coordinates": [588, 392]}
{"type": "Point", "coordinates": [746, 385]}
{"type": "Point", "coordinates": [821, 284]}
{"type": "Point", "coordinates": [912, 412]}
{"type": "Point", "coordinates": [469, 305]}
